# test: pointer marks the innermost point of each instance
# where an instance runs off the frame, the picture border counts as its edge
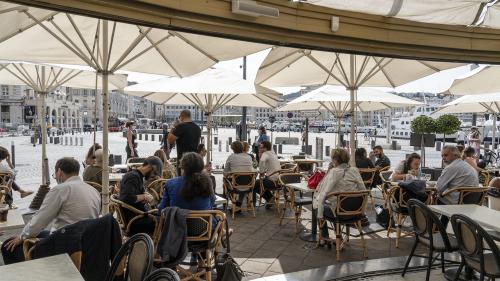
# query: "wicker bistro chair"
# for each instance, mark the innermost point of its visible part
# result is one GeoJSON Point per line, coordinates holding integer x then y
{"type": "Point", "coordinates": [349, 211]}
{"type": "Point", "coordinates": [95, 185]}
{"type": "Point", "coordinates": [275, 191]}
{"type": "Point", "coordinates": [156, 190]}
{"type": "Point", "coordinates": [368, 175]}
{"type": "Point", "coordinates": [134, 260]}
{"type": "Point", "coordinates": [425, 222]}
{"type": "Point", "coordinates": [126, 225]}
{"type": "Point", "coordinates": [163, 274]}
{"type": "Point", "coordinates": [477, 248]}
{"type": "Point", "coordinates": [304, 166]}
{"type": "Point", "coordinates": [385, 176]}
{"type": "Point", "coordinates": [292, 198]}
{"type": "Point", "coordinates": [468, 195]}
{"type": "Point", "coordinates": [203, 237]}
{"type": "Point", "coordinates": [288, 166]}
{"type": "Point", "coordinates": [30, 243]}
{"type": "Point", "coordinates": [484, 177]}
{"type": "Point", "coordinates": [240, 183]}
{"type": "Point", "coordinates": [6, 179]}
{"type": "Point", "coordinates": [397, 198]}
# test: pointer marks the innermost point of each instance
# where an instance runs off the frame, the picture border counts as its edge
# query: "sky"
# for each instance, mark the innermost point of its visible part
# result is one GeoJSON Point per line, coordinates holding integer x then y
{"type": "Point", "coordinates": [435, 83]}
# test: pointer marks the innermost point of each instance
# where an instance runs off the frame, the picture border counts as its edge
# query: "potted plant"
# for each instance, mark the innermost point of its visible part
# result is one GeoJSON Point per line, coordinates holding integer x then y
{"type": "Point", "coordinates": [423, 128]}
{"type": "Point", "coordinates": [447, 124]}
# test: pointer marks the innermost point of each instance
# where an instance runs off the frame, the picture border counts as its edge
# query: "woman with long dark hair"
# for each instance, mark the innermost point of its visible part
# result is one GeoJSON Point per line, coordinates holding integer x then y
{"type": "Point", "coordinates": [410, 166]}
{"type": "Point", "coordinates": [90, 157]}
{"type": "Point", "coordinates": [192, 190]}
{"type": "Point", "coordinates": [362, 160]}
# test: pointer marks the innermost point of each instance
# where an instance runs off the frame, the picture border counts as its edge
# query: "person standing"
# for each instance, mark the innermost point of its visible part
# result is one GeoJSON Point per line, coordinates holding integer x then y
{"type": "Point", "coordinates": [186, 136]}
{"type": "Point", "coordinates": [461, 138]}
{"type": "Point", "coordinates": [262, 138]}
{"type": "Point", "coordinates": [131, 147]}
{"type": "Point", "coordinates": [475, 140]}
{"type": "Point", "coordinates": [164, 143]}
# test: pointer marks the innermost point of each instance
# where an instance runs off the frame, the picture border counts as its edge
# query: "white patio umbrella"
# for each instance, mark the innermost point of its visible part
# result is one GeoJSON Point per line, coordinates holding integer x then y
{"type": "Point", "coordinates": [108, 47]}
{"type": "Point", "coordinates": [44, 79]}
{"type": "Point", "coordinates": [210, 90]}
{"type": "Point", "coordinates": [476, 82]}
{"type": "Point", "coordinates": [298, 67]}
{"type": "Point", "coordinates": [337, 101]}
{"type": "Point", "coordinates": [485, 103]}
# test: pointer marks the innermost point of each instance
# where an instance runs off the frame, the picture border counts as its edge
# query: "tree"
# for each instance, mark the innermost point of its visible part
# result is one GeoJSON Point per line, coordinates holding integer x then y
{"type": "Point", "coordinates": [447, 124]}
{"type": "Point", "coordinates": [423, 125]}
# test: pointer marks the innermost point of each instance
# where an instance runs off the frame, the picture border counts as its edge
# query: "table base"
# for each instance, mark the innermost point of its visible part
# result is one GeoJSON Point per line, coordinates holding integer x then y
{"type": "Point", "coordinates": [308, 237]}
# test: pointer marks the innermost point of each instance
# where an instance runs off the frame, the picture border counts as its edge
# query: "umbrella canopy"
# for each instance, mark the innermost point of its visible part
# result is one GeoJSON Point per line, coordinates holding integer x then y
{"type": "Point", "coordinates": [107, 47]}
{"type": "Point", "coordinates": [475, 12]}
{"type": "Point", "coordinates": [298, 67]}
{"type": "Point", "coordinates": [476, 82]}
{"type": "Point", "coordinates": [43, 79]}
{"type": "Point", "coordinates": [485, 103]}
{"type": "Point", "coordinates": [337, 101]}
{"type": "Point", "coordinates": [209, 90]}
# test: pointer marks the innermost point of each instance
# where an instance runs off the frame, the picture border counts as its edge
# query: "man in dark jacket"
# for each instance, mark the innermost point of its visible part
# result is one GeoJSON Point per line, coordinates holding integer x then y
{"type": "Point", "coordinates": [132, 192]}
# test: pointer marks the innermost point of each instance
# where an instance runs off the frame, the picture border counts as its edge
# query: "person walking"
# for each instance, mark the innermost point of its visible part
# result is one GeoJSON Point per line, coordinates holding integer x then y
{"type": "Point", "coordinates": [186, 136]}
{"type": "Point", "coordinates": [475, 140]}
{"type": "Point", "coordinates": [131, 147]}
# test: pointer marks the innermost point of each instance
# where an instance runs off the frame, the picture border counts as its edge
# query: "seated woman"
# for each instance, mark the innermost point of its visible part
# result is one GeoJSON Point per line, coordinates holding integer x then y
{"type": "Point", "coordinates": [90, 157]}
{"type": "Point", "coordinates": [239, 161]}
{"type": "Point", "coordinates": [192, 190]}
{"type": "Point", "coordinates": [362, 160]}
{"type": "Point", "coordinates": [469, 156]}
{"type": "Point", "coordinates": [340, 178]}
{"type": "Point", "coordinates": [410, 166]}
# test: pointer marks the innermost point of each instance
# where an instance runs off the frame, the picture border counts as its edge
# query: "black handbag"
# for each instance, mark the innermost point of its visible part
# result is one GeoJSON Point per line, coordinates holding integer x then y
{"type": "Point", "coordinates": [383, 216]}
{"type": "Point", "coordinates": [227, 268]}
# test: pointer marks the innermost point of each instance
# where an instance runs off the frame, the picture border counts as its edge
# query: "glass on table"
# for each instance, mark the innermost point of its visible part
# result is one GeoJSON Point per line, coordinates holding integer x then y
{"type": "Point", "coordinates": [427, 177]}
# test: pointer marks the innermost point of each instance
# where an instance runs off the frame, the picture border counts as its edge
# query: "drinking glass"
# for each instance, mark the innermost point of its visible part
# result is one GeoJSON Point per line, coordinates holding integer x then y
{"type": "Point", "coordinates": [427, 177]}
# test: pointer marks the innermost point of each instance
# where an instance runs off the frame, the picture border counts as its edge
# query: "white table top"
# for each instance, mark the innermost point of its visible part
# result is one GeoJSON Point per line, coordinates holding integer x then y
{"type": "Point", "coordinates": [219, 200]}
{"type": "Point", "coordinates": [55, 268]}
{"type": "Point", "coordinates": [486, 217]}
{"type": "Point", "coordinates": [308, 160]}
{"type": "Point", "coordinates": [300, 186]}
{"type": "Point", "coordinates": [115, 176]}
{"type": "Point", "coordinates": [14, 221]}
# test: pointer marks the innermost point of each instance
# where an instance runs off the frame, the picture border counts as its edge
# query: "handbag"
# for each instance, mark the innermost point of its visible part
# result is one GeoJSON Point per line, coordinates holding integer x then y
{"type": "Point", "coordinates": [315, 179]}
{"type": "Point", "coordinates": [383, 216]}
{"type": "Point", "coordinates": [227, 268]}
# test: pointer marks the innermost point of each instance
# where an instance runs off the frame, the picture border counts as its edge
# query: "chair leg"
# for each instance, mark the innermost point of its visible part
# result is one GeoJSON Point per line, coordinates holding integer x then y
{"type": "Point", "coordinates": [298, 213]}
{"type": "Point", "coordinates": [459, 270]}
{"type": "Point", "coordinates": [442, 262]}
{"type": "Point", "coordinates": [410, 256]}
{"type": "Point", "coordinates": [283, 213]}
{"type": "Point", "coordinates": [250, 203]}
{"type": "Point", "coordinates": [338, 240]}
{"type": "Point", "coordinates": [371, 199]}
{"type": "Point", "coordinates": [360, 229]}
{"type": "Point", "coordinates": [398, 229]}
{"type": "Point", "coordinates": [389, 227]}
{"type": "Point", "coordinates": [429, 265]}
{"type": "Point", "coordinates": [233, 208]}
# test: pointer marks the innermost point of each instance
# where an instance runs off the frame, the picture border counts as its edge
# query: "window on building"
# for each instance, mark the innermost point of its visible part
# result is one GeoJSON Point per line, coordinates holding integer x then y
{"type": "Point", "coordinates": [5, 90]}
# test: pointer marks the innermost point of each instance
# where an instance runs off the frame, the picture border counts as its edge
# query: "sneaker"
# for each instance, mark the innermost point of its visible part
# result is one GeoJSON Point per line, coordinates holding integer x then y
{"type": "Point", "coordinates": [26, 193]}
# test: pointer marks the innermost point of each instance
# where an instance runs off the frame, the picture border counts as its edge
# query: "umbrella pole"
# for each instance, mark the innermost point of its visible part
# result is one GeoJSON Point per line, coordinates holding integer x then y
{"type": "Point", "coordinates": [339, 129]}
{"type": "Point", "coordinates": [43, 128]}
{"type": "Point", "coordinates": [209, 137]}
{"type": "Point", "coordinates": [493, 140]}
{"type": "Point", "coordinates": [105, 112]}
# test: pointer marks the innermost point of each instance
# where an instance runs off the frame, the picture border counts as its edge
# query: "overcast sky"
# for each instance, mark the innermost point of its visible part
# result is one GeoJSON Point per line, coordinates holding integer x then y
{"type": "Point", "coordinates": [436, 83]}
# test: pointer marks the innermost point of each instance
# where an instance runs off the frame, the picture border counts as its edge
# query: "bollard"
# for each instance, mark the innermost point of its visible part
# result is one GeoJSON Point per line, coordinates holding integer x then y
{"type": "Point", "coordinates": [275, 148]}
{"type": "Point", "coordinates": [12, 153]}
{"type": "Point", "coordinates": [216, 140]}
{"type": "Point", "coordinates": [118, 159]}
{"type": "Point", "coordinates": [372, 145]}
{"type": "Point", "coordinates": [111, 160]}
{"type": "Point", "coordinates": [140, 136]}
{"type": "Point", "coordinates": [146, 136]}
{"type": "Point", "coordinates": [51, 139]}
{"type": "Point", "coordinates": [71, 141]}
{"type": "Point", "coordinates": [65, 140]}
{"type": "Point", "coordinates": [280, 148]}
{"type": "Point", "coordinates": [72, 132]}
{"type": "Point", "coordinates": [394, 145]}
{"type": "Point", "coordinates": [438, 146]}
{"type": "Point", "coordinates": [319, 148]}
{"type": "Point", "coordinates": [56, 140]}
{"type": "Point", "coordinates": [81, 141]}
{"type": "Point", "coordinates": [227, 146]}
{"type": "Point", "coordinates": [220, 146]}
{"type": "Point", "coordinates": [230, 140]}
{"type": "Point", "coordinates": [152, 137]}
{"type": "Point", "coordinates": [327, 150]}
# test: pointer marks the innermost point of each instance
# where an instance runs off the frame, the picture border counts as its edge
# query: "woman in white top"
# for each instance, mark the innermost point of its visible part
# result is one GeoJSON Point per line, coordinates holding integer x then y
{"type": "Point", "coordinates": [340, 178]}
{"type": "Point", "coordinates": [239, 161]}
{"type": "Point", "coordinates": [411, 166]}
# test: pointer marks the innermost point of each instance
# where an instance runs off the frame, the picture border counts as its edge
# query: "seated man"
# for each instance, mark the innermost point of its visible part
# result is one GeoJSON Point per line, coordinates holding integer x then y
{"type": "Point", "coordinates": [269, 164]}
{"type": "Point", "coordinates": [7, 167]}
{"type": "Point", "coordinates": [93, 173]}
{"type": "Point", "coordinates": [70, 201]}
{"type": "Point", "coordinates": [380, 161]}
{"type": "Point", "coordinates": [456, 173]}
{"type": "Point", "coordinates": [132, 192]}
